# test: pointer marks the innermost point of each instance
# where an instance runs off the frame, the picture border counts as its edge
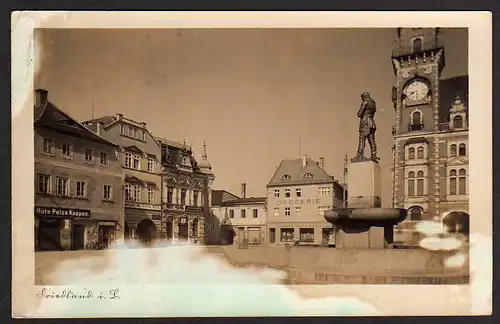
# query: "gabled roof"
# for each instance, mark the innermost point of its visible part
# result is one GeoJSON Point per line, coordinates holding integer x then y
{"type": "Point", "coordinates": [449, 89]}
{"type": "Point", "coordinates": [292, 172]}
{"type": "Point", "coordinates": [133, 148]}
{"type": "Point", "coordinates": [48, 115]}
{"type": "Point", "coordinates": [219, 196]}
{"type": "Point", "coordinates": [244, 201]}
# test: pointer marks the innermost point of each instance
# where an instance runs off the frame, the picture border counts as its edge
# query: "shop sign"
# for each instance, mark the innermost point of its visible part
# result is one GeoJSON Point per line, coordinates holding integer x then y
{"type": "Point", "coordinates": [156, 217]}
{"type": "Point", "coordinates": [130, 204]}
{"type": "Point", "coordinates": [289, 202]}
{"type": "Point", "coordinates": [194, 209]}
{"type": "Point", "coordinates": [103, 223]}
{"type": "Point", "coordinates": [61, 212]}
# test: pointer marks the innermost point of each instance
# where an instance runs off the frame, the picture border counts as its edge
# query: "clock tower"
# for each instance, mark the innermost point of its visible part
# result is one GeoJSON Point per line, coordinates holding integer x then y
{"type": "Point", "coordinates": [418, 59]}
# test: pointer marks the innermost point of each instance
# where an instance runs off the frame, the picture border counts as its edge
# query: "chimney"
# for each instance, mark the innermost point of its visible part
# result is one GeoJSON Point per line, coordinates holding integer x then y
{"type": "Point", "coordinates": [41, 96]}
{"type": "Point", "coordinates": [244, 190]}
{"type": "Point", "coordinates": [99, 127]}
{"type": "Point", "coordinates": [322, 162]}
{"type": "Point", "coordinates": [119, 116]}
{"type": "Point", "coordinates": [304, 160]}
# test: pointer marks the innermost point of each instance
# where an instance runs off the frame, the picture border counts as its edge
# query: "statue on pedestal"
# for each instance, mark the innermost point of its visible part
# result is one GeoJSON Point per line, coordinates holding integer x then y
{"type": "Point", "coordinates": [367, 129]}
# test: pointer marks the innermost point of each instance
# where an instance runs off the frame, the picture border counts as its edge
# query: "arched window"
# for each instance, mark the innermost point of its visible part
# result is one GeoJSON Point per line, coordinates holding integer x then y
{"type": "Point", "coordinates": [462, 180]}
{"type": "Point", "coordinates": [308, 176]}
{"type": "Point", "coordinates": [461, 150]}
{"type": "Point", "coordinates": [420, 153]}
{"type": "Point", "coordinates": [415, 118]}
{"type": "Point", "coordinates": [415, 213]}
{"type": "Point", "coordinates": [453, 150]}
{"type": "Point", "coordinates": [453, 182]}
{"type": "Point", "coordinates": [285, 177]}
{"type": "Point", "coordinates": [458, 122]}
{"type": "Point", "coordinates": [411, 153]}
{"type": "Point", "coordinates": [411, 184]}
{"type": "Point", "coordinates": [417, 45]}
{"type": "Point", "coordinates": [420, 183]}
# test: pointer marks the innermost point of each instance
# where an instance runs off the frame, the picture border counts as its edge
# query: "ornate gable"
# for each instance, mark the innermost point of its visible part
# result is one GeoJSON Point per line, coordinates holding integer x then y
{"type": "Point", "coordinates": [458, 160]}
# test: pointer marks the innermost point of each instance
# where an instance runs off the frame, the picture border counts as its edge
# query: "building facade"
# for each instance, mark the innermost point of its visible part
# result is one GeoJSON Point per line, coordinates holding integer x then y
{"type": "Point", "coordinates": [297, 196]}
{"type": "Point", "coordinates": [139, 156]}
{"type": "Point", "coordinates": [186, 195]}
{"type": "Point", "coordinates": [218, 229]}
{"type": "Point", "coordinates": [242, 219]}
{"type": "Point", "coordinates": [78, 180]}
{"type": "Point", "coordinates": [431, 151]}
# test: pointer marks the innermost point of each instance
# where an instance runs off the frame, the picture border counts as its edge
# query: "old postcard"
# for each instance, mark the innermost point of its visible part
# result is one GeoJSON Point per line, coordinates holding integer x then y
{"type": "Point", "coordinates": [251, 164]}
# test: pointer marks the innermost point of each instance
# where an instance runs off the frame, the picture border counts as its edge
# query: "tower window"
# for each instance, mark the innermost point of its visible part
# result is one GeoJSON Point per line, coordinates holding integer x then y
{"type": "Point", "coordinates": [458, 122]}
{"type": "Point", "coordinates": [411, 153]}
{"type": "Point", "coordinates": [416, 121]}
{"type": "Point", "coordinates": [453, 150]}
{"type": "Point", "coordinates": [417, 45]}
{"type": "Point", "coordinates": [416, 118]}
{"type": "Point", "coordinates": [420, 153]}
{"type": "Point", "coordinates": [420, 183]}
{"type": "Point", "coordinates": [453, 182]}
{"type": "Point", "coordinates": [411, 184]}
{"type": "Point", "coordinates": [461, 150]}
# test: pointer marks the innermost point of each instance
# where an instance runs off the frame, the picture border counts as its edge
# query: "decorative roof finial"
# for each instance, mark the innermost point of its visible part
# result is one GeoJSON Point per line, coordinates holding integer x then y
{"type": "Point", "coordinates": [204, 156]}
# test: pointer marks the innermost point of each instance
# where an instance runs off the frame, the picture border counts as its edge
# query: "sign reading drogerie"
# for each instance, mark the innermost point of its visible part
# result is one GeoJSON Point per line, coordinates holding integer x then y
{"type": "Point", "coordinates": [61, 212]}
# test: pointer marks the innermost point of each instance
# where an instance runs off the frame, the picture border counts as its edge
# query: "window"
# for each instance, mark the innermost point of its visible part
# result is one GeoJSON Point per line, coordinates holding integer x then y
{"type": "Point", "coordinates": [137, 193]}
{"type": "Point", "coordinates": [411, 153]}
{"type": "Point", "coordinates": [104, 158]}
{"type": "Point", "coordinates": [461, 150]}
{"type": "Point", "coordinates": [415, 118]}
{"type": "Point", "coordinates": [130, 131]}
{"type": "Point", "coordinates": [122, 130]}
{"type": "Point", "coordinates": [458, 122]}
{"type": "Point", "coordinates": [128, 160]}
{"type": "Point", "coordinates": [287, 211]}
{"type": "Point", "coordinates": [324, 191]}
{"type": "Point", "coordinates": [420, 152]}
{"type": "Point", "coordinates": [144, 136]}
{"type": "Point", "coordinates": [462, 179]}
{"type": "Point", "coordinates": [298, 192]}
{"type": "Point", "coordinates": [107, 192]}
{"type": "Point", "coordinates": [183, 196]}
{"type": "Point", "coordinates": [81, 189]}
{"type": "Point", "coordinates": [243, 213]}
{"type": "Point", "coordinates": [322, 209]}
{"type": "Point", "coordinates": [276, 211]}
{"type": "Point", "coordinates": [66, 150]}
{"type": "Point", "coordinates": [297, 211]}
{"type": "Point", "coordinates": [195, 198]}
{"type": "Point", "coordinates": [453, 182]}
{"type": "Point", "coordinates": [62, 186]}
{"type": "Point", "coordinates": [151, 195]}
{"type": "Point", "coordinates": [453, 150]}
{"type": "Point", "coordinates": [411, 184]}
{"type": "Point", "coordinates": [308, 176]}
{"type": "Point", "coordinates": [255, 213]}
{"type": "Point", "coordinates": [128, 192]}
{"type": "Point", "coordinates": [420, 183]}
{"type": "Point", "coordinates": [287, 193]}
{"type": "Point", "coordinates": [136, 163]}
{"type": "Point", "coordinates": [170, 195]}
{"type": "Point", "coordinates": [285, 177]}
{"type": "Point", "coordinates": [306, 235]}
{"type": "Point", "coordinates": [48, 146]}
{"type": "Point", "coordinates": [88, 155]}
{"type": "Point", "coordinates": [417, 45]}
{"type": "Point", "coordinates": [231, 213]}
{"type": "Point", "coordinates": [415, 213]}
{"type": "Point", "coordinates": [151, 165]}
{"type": "Point", "coordinates": [276, 193]}
{"type": "Point", "coordinates": [286, 234]}
{"type": "Point", "coordinates": [43, 183]}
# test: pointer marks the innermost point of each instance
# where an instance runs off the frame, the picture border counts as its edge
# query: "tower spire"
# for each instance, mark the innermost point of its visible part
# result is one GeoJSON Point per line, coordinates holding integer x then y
{"type": "Point", "coordinates": [204, 156]}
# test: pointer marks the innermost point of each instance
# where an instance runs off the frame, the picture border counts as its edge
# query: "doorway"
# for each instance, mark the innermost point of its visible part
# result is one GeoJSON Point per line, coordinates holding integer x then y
{"type": "Point", "coordinates": [78, 237]}
{"type": "Point", "coordinates": [49, 234]}
{"type": "Point", "coordinates": [170, 230]}
{"type": "Point", "coordinates": [183, 228]}
{"type": "Point", "coordinates": [106, 235]}
{"type": "Point", "coordinates": [146, 232]}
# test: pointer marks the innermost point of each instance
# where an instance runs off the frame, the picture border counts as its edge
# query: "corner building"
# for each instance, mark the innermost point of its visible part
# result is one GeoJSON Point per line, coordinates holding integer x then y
{"type": "Point", "coordinates": [431, 156]}
{"type": "Point", "coordinates": [78, 180]}
{"type": "Point", "coordinates": [186, 197]}
{"type": "Point", "coordinates": [297, 196]}
{"type": "Point", "coordinates": [139, 156]}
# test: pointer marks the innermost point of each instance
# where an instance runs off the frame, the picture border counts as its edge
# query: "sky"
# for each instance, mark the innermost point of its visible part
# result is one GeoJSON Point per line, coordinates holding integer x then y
{"type": "Point", "coordinates": [252, 94]}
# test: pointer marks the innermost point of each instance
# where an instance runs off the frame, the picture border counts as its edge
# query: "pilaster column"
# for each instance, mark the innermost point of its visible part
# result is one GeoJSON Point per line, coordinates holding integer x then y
{"type": "Point", "coordinates": [190, 229]}
{"type": "Point", "coordinates": [436, 177]}
{"type": "Point", "coordinates": [175, 224]}
{"type": "Point", "coordinates": [201, 230]}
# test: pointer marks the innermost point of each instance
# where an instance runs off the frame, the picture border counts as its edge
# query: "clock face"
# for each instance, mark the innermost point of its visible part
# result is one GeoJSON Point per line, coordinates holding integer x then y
{"type": "Point", "coordinates": [417, 90]}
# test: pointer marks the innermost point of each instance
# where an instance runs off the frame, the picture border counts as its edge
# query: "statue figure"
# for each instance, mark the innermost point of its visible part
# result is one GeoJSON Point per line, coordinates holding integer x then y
{"type": "Point", "coordinates": [367, 129]}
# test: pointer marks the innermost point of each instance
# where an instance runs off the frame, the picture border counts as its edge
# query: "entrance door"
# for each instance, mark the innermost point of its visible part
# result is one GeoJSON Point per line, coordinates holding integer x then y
{"type": "Point", "coordinates": [49, 234]}
{"type": "Point", "coordinates": [183, 228]}
{"type": "Point", "coordinates": [78, 238]}
{"type": "Point", "coordinates": [170, 230]}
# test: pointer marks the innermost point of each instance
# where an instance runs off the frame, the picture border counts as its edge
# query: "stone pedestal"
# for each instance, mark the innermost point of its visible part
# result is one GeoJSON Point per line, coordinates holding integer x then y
{"type": "Point", "coordinates": [372, 238]}
{"type": "Point", "coordinates": [364, 185]}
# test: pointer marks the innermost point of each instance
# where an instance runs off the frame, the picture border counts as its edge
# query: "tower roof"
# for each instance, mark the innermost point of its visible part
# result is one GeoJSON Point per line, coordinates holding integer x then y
{"type": "Point", "coordinates": [204, 164]}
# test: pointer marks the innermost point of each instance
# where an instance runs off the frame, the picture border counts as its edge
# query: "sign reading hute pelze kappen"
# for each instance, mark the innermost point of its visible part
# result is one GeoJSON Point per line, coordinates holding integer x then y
{"type": "Point", "coordinates": [61, 212]}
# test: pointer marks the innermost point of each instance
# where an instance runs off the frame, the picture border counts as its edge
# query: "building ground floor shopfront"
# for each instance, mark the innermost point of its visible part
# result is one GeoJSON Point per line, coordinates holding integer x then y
{"type": "Point", "coordinates": [142, 223]}
{"type": "Point", "coordinates": [250, 234]}
{"type": "Point", "coordinates": [186, 225]}
{"type": "Point", "coordinates": [59, 229]}
{"type": "Point", "coordinates": [311, 233]}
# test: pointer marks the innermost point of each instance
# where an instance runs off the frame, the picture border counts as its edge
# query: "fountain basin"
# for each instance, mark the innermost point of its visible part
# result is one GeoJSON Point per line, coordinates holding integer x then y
{"type": "Point", "coordinates": [366, 216]}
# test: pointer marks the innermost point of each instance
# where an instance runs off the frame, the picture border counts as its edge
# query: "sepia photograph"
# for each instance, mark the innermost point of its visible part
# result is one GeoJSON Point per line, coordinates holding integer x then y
{"type": "Point", "coordinates": [257, 166]}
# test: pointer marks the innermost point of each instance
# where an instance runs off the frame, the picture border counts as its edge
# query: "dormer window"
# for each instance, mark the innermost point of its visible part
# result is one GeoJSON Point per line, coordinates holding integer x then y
{"type": "Point", "coordinates": [308, 176]}
{"type": "Point", "coordinates": [458, 122]}
{"type": "Point", "coordinates": [286, 177]}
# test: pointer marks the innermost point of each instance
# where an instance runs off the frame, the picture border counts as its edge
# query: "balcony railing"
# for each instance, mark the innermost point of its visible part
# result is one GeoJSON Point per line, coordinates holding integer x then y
{"type": "Point", "coordinates": [415, 127]}
{"type": "Point", "coordinates": [444, 127]}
